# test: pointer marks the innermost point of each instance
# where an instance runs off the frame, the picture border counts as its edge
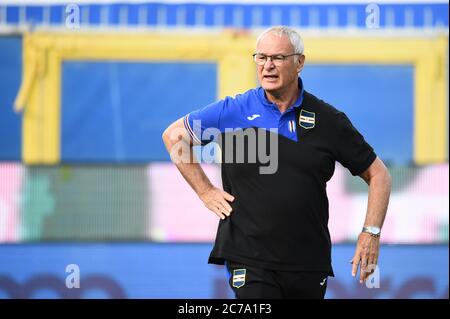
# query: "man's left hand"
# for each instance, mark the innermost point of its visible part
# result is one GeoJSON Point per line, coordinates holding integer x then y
{"type": "Point", "coordinates": [366, 256]}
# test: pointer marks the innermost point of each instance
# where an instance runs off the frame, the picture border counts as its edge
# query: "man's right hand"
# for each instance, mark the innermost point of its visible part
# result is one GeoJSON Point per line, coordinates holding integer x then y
{"type": "Point", "coordinates": [216, 200]}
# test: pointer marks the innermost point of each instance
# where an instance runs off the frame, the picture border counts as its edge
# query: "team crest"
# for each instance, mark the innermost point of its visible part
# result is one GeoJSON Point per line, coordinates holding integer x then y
{"type": "Point", "coordinates": [307, 119]}
{"type": "Point", "coordinates": [239, 277]}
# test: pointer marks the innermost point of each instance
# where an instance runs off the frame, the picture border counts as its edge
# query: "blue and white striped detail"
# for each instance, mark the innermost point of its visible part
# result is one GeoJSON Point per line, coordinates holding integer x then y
{"type": "Point", "coordinates": [291, 124]}
{"type": "Point", "coordinates": [190, 130]}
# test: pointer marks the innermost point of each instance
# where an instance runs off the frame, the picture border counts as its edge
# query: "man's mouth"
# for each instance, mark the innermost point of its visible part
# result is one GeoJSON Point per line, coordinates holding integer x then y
{"type": "Point", "coordinates": [271, 77]}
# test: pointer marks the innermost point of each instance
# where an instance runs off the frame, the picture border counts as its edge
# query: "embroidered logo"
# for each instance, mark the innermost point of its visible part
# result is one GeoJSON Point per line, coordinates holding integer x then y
{"type": "Point", "coordinates": [239, 277]}
{"type": "Point", "coordinates": [307, 119]}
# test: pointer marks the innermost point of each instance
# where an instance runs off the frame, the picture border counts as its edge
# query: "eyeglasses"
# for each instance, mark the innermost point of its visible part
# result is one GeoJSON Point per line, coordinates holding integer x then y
{"type": "Point", "coordinates": [277, 59]}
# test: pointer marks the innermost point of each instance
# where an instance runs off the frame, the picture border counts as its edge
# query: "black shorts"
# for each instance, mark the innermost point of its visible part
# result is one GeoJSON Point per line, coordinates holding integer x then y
{"type": "Point", "coordinates": [250, 282]}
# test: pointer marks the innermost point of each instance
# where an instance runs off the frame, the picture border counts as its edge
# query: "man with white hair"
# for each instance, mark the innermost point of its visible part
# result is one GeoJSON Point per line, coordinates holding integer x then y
{"type": "Point", "coordinates": [273, 235]}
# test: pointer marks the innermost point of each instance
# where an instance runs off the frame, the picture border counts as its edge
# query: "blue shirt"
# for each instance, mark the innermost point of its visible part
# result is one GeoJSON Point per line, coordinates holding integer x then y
{"type": "Point", "coordinates": [250, 109]}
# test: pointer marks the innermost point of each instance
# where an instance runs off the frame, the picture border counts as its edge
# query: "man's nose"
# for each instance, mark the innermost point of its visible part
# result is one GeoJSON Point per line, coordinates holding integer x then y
{"type": "Point", "coordinates": [268, 64]}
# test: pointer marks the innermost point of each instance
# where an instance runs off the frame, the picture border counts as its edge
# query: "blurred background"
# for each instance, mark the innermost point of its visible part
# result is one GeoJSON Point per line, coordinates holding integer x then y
{"type": "Point", "coordinates": [87, 188]}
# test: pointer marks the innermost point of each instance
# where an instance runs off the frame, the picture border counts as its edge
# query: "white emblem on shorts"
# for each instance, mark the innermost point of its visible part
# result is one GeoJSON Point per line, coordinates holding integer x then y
{"type": "Point", "coordinates": [323, 281]}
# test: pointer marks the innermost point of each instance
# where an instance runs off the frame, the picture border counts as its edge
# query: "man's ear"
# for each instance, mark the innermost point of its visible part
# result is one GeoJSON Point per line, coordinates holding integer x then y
{"type": "Point", "coordinates": [300, 63]}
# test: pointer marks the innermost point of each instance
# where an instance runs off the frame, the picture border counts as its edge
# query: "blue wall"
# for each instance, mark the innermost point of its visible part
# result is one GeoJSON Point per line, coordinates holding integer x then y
{"type": "Point", "coordinates": [379, 100]}
{"type": "Point", "coordinates": [144, 270]}
{"type": "Point", "coordinates": [10, 77]}
{"type": "Point", "coordinates": [117, 111]}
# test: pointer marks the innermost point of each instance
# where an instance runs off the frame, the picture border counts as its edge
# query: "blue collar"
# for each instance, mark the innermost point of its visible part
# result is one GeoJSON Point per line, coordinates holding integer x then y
{"type": "Point", "coordinates": [297, 103]}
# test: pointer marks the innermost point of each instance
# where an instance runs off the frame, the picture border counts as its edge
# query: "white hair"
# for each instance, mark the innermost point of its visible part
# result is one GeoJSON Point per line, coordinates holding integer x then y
{"type": "Point", "coordinates": [295, 38]}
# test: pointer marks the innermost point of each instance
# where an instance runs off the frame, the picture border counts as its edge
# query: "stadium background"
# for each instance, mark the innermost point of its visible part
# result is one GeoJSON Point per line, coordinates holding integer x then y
{"type": "Point", "coordinates": [85, 178]}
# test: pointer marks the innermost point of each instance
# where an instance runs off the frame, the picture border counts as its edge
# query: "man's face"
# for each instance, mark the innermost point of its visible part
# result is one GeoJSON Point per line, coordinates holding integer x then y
{"type": "Point", "coordinates": [273, 77]}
